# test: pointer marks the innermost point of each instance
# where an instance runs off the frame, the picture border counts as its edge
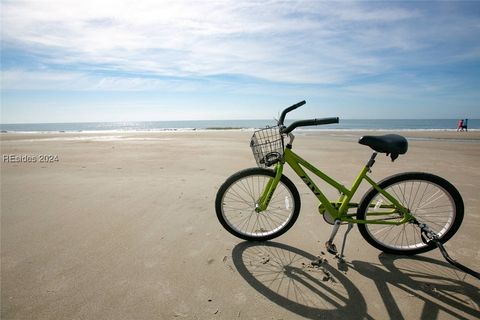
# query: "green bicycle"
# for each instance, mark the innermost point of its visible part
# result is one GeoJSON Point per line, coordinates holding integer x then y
{"type": "Point", "coordinates": [401, 214]}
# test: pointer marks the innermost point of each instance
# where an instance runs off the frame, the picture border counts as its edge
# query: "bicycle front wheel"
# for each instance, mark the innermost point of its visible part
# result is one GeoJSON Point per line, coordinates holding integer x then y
{"type": "Point", "coordinates": [238, 198]}
{"type": "Point", "coordinates": [430, 199]}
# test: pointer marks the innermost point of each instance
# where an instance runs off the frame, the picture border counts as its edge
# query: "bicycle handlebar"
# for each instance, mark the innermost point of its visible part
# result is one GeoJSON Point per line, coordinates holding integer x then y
{"type": "Point", "coordinates": [287, 110]}
{"type": "Point", "coordinates": [301, 123]}
{"type": "Point", "coordinates": [309, 122]}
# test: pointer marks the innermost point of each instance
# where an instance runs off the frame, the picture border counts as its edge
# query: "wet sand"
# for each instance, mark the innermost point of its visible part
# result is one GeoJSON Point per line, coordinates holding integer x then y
{"type": "Point", "coordinates": [123, 226]}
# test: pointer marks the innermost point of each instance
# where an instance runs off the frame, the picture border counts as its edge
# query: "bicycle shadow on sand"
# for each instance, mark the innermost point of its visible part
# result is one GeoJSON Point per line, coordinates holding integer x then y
{"type": "Point", "coordinates": [285, 275]}
{"type": "Point", "coordinates": [441, 287]}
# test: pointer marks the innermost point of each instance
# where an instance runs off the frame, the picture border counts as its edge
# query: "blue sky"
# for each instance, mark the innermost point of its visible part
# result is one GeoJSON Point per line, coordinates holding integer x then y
{"type": "Point", "coordinates": [72, 61]}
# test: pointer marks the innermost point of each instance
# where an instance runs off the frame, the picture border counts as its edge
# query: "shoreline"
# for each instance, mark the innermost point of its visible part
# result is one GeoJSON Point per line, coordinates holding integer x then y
{"type": "Point", "coordinates": [472, 136]}
{"type": "Point", "coordinates": [238, 129]}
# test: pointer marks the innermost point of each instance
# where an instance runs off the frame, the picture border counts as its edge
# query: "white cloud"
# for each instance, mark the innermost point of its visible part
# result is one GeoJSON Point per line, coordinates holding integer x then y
{"type": "Point", "coordinates": [64, 80]}
{"type": "Point", "coordinates": [281, 41]}
{"type": "Point", "coordinates": [35, 80]}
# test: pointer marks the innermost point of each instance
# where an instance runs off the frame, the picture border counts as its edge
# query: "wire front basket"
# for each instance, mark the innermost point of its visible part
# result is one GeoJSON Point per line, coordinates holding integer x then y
{"type": "Point", "coordinates": [267, 146]}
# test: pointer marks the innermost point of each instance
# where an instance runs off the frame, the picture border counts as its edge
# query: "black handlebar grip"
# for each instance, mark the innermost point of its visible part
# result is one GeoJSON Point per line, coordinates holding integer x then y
{"type": "Point", "coordinates": [309, 122]}
{"type": "Point", "coordinates": [287, 110]}
{"type": "Point", "coordinates": [296, 105]}
{"type": "Point", "coordinates": [326, 121]}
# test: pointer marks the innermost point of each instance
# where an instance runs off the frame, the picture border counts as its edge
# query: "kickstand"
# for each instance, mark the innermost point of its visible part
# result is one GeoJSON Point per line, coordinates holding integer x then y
{"type": "Point", "coordinates": [331, 248]}
{"type": "Point", "coordinates": [349, 228]}
{"type": "Point", "coordinates": [329, 245]}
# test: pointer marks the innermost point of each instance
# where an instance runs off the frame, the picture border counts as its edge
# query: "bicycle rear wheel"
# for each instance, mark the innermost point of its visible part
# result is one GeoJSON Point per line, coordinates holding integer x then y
{"type": "Point", "coordinates": [237, 200]}
{"type": "Point", "coordinates": [431, 199]}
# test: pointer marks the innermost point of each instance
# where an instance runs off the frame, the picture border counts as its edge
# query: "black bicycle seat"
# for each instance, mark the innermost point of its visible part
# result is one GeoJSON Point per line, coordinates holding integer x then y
{"type": "Point", "coordinates": [392, 144]}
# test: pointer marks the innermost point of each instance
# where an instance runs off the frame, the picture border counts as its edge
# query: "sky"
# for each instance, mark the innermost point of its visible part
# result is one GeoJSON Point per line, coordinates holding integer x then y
{"type": "Point", "coordinates": [76, 61]}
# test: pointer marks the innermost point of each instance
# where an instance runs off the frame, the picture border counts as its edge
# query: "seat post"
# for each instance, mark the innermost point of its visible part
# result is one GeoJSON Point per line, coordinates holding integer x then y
{"type": "Point", "coordinates": [372, 160]}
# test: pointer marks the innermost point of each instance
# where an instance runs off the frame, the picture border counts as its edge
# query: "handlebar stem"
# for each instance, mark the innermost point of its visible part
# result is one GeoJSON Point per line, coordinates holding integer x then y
{"type": "Point", "coordinates": [291, 137]}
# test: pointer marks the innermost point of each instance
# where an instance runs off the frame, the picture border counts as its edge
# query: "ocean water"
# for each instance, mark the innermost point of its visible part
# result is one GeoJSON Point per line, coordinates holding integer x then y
{"type": "Point", "coordinates": [345, 124]}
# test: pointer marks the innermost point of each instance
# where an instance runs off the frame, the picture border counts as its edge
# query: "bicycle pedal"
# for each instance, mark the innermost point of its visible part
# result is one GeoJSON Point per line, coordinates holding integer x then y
{"type": "Point", "coordinates": [331, 248]}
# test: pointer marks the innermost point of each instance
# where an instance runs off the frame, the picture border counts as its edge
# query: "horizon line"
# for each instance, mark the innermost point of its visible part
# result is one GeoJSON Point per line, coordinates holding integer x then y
{"type": "Point", "coordinates": [199, 120]}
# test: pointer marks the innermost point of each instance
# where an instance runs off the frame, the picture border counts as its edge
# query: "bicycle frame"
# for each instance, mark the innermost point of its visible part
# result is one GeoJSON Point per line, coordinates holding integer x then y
{"type": "Point", "coordinates": [337, 209]}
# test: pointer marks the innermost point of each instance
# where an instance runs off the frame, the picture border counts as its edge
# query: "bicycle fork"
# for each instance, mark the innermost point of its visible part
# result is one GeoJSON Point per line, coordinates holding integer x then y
{"type": "Point", "coordinates": [262, 203]}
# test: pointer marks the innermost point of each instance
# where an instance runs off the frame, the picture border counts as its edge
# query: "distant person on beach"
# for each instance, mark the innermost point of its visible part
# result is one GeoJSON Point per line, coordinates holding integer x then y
{"type": "Point", "coordinates": [460, 125]}
{"type": "Point", "coordinates": [465, 125]}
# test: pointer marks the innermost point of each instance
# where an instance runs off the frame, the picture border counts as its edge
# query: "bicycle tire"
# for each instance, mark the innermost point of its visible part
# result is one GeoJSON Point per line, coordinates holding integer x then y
{"type": "Point", "coordinates": [250, 183]}
{"type": "Point", "coordinates": [413, 186]}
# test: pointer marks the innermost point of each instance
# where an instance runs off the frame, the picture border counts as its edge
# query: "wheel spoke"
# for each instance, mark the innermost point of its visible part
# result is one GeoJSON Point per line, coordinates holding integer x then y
{"type": "Point", "coordinates": [240, 201]}
{"type": "Point", "coordinates": [429, 202]}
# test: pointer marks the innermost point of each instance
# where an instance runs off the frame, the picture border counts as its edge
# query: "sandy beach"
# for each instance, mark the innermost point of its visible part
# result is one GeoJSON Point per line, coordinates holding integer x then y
{"type": "Point", "coordinates": [123, 226]}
